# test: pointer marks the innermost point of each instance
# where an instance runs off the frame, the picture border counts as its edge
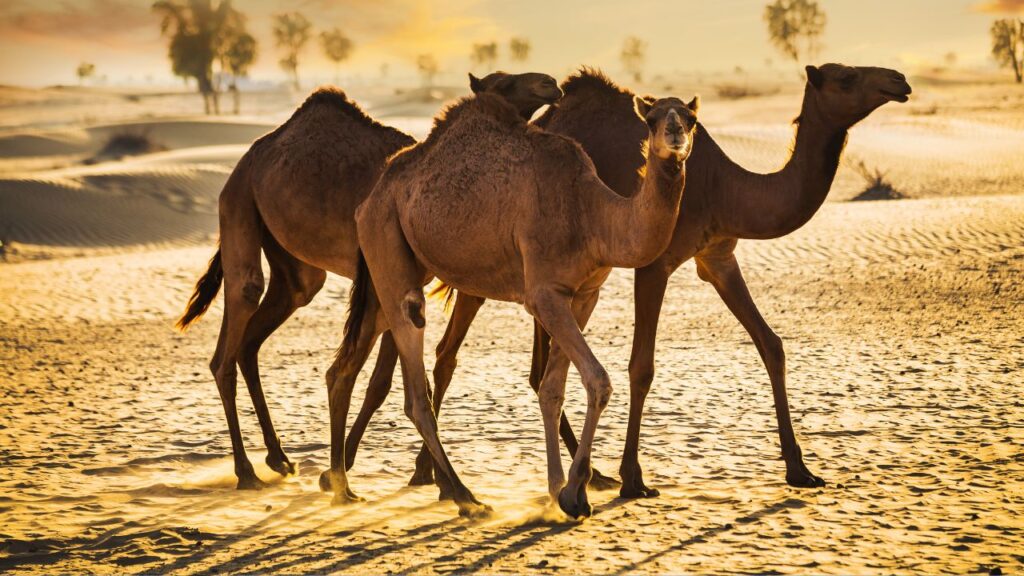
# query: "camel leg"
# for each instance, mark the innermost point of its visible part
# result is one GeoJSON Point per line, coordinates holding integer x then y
{"type": "Point", "coordinates": [723, 272]}
{"type": "Point", "coordinates": [243, 285]}
{"type": "Point", "coordinates": [376, 392]}
{"type": "Point", "coordinates": [649, 290]}
{"type": "Point", "coordinates": [292, 285]}
{"type": "Point", "coordinates": [541, 348]}
{"type": "Point", "coordinates": [466, 307]}
{"type": "Point", "coordinates": [399, 286]}
{"type": "Point", "coordinates": [341, 379]}
{"type": "Point", "coordinates": [561, 317]}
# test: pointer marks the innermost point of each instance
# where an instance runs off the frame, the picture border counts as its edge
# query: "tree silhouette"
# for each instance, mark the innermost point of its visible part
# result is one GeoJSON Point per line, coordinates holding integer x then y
{"type": "Point", "coordinates": [337, 48]}
{"type": "Point", "coordinates": [426, 64]}
{"type": "Point", "coordinates": [633, 55]}
{"type": "Point", "coordinates": [485, 55]}
{"type": "Point", "coordinates": [1008, 45]}
{"type": "Point", "coordinates": [199, 36]}
{"type": "Point", "coordinates": [291, 31]}
{"type": "Point", "coordinates": [519, 48]}
{"type": "Point", "coordinates": [794, 27]}
{"type": "Point", "coordinates": [85, 70]}
{"type": "Point", "coordinates": [238, 58]}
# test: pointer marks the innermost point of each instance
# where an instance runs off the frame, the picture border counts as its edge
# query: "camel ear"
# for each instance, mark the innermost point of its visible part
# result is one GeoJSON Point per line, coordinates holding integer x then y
{"type": "Point", "coordinates": [642, 107]}
{"type": "Point", "coordinates": [815, 77]}
{"type": "Point", "coordinates": [475, 84]}
{"type": "Point", "coordinates": [694, 104]}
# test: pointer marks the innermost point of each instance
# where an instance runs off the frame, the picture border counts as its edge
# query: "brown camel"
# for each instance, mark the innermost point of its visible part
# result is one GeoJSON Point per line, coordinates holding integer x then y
{"type": "Point", "coordinates": [723, 203]}
{"type": "Point", "coordinates": [592, 96]}
{"type": "Point", "coordinates": [545, 232]}
{"type": "Point", "coordinates": [294, 194]}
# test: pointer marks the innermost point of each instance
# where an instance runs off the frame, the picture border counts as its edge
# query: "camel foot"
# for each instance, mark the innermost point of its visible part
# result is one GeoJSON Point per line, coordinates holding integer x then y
{"type": "Point", "coordinates": [599, 481]}
{"type": "Point", "coordinates": [344, 497]}
{"type": "Point", "coordinates": [801, 477]}
{"type": "Point", "coordinates": [250, 482]}
{"type": "Point", "coordinates": [574, 502]}
{"type": "Point", "coordinates": [281, 464]}
{"type": "Point", "coordinates": [474, 510]}
{"type": "Point", "coordinates": [637, 489]}
{"type": "Point", "coordinates": [325, 481]}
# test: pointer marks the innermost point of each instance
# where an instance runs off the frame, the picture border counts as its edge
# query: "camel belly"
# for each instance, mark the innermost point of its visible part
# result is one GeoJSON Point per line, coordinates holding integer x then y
{"type": "Point", "coordinates": [473, 250]}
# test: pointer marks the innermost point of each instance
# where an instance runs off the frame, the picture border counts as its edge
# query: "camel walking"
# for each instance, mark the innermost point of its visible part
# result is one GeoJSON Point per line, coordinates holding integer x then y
{"type": "Point", "coordinates": [589, 97]}
{"type": "Point", "coordinates": [723, 203]}
{"type": "Point", "coordinates": [293, 195]}
{"type": "Point", "coordinates": [545, 232]}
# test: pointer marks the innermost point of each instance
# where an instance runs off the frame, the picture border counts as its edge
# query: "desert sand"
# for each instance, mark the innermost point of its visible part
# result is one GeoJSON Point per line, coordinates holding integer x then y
{"type": "Point", "coordinates": [903, 322]}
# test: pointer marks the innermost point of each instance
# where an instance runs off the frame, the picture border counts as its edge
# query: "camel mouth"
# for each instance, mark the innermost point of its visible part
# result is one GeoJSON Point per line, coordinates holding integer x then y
{"type": "Point", "coordinates": [895, 96]}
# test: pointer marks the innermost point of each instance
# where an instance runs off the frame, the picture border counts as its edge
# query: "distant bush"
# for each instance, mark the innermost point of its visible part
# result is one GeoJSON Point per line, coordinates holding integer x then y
{"type": "Point", "coordinates": [122, 144]}
{"type": "Point", "coordinates": [878, 186]}
{"type": "Point", "coordinates": [738, 91]}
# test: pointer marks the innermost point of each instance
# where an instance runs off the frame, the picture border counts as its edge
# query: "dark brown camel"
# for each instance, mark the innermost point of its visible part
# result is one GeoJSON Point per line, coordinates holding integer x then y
{"type": "Point", "coordinates": [723, 203]}
{"type": "Point", "coordinates": [293, 195]}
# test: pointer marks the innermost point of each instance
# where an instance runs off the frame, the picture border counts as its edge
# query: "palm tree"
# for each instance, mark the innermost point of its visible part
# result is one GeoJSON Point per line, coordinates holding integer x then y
{"type": "Point", "coordinates": [337, 48]}
{"type": "Point", "coordinates": [292, 31]}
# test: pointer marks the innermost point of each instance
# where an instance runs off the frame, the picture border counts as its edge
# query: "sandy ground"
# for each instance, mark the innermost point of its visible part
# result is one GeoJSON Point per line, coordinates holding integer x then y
{"type": "Point", "coordinates": [904, 328]}
{"type": "Point", "coordinates": [903, 322]}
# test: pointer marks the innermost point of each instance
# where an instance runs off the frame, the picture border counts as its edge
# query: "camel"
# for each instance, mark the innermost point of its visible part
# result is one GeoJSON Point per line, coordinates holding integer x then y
{"type": "Point", "coordinates": [498, 208]}
{"type": "Point", "coordinates": [723, 203]}
{"type": "Point", "coordinates": [293, 195]}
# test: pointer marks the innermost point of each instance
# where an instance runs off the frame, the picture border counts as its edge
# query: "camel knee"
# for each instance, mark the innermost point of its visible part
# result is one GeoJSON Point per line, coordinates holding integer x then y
{"type": "Point", "coordinates": [307, 291]}
{"type": "Point", "coordinates": [551, 398]}
{"type": "Point", "coordinates": [640, 379]}
{"type": "Point", "coordinates": [773, 350]}
{"type": "Point", "coordinates": [413, 306]}
{"type": "Point", "coordinates": [252, 288]}
{"type": "Point", "coordinates": [599, 389]}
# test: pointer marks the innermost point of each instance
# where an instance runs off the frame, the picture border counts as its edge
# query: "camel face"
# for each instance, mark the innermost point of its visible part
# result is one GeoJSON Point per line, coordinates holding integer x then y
{"type": "Point", "coordinates": [849, 93]}
{"type": "Point", "coordinates": [672, 123]}
{"type": "Point", "coordinates": [526, 92]}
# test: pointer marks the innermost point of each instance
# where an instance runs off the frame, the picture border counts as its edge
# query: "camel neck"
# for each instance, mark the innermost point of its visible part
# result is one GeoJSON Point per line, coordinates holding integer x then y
{"type": "Point", "coordinates": [773, 205]}
{"type": "Point", "coordinates": [640, 227]}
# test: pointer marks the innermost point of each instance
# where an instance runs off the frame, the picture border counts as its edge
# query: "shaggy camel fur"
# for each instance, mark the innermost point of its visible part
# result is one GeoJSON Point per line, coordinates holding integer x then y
{"type": "Point", "coordinates": [294, 194]}
{"type": "Point", "coordinates": [546, 233]}
{"type": "Point", "coordinates": [723, 203]}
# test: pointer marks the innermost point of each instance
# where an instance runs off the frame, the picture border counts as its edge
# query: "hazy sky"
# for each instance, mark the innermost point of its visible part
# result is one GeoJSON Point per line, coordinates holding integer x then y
{"type": "Point", "coordinates": [42, 41]}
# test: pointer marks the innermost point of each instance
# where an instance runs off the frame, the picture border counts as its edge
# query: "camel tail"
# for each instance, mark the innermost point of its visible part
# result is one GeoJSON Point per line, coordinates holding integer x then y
{"type": "Point", "coordinates": [206, 290]}
{"type": "Point", "coordinates": [358, 301]}
{"type": "Point", "coordinates": [445, 293]}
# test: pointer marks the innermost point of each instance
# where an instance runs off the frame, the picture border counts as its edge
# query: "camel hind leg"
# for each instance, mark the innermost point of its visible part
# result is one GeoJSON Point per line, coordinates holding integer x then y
{"type": "Point", "coordinates": [398, 282]}
{"type": "Point", "coordinates": [241, 231]}
{"type": "Point", "coordinates": [293, 284]}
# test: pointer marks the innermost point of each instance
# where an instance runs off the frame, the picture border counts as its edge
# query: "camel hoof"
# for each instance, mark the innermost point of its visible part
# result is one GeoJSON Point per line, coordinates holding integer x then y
{"type": "Point", "coordinates": [325, 481]}
{"type": "Point", "coordinates": [804, 479]}
{"type": "Point", "coordinates": [641, 491]}
{"type": "Point", "coordinates": [474, 510]}
{"type": "Point", "coordinates": [574, 508]}
{"type": "Point", "coordinates": [346, 497]}
{"type": "Point", "coordinates": [251, 482]}
{"type": "Point", "coordinates": [281, 464]}
{"type": "Point", "coordinates": [599, 481]}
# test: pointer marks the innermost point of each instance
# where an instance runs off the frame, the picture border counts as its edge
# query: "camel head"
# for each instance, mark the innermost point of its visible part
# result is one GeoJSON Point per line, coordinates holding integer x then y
{"type": "Point", "coordinates": [847, 94]}
{"type": "Point", "coordinates": [526, 92]}
{"type": "Point", "coordinates": [672, 124]}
